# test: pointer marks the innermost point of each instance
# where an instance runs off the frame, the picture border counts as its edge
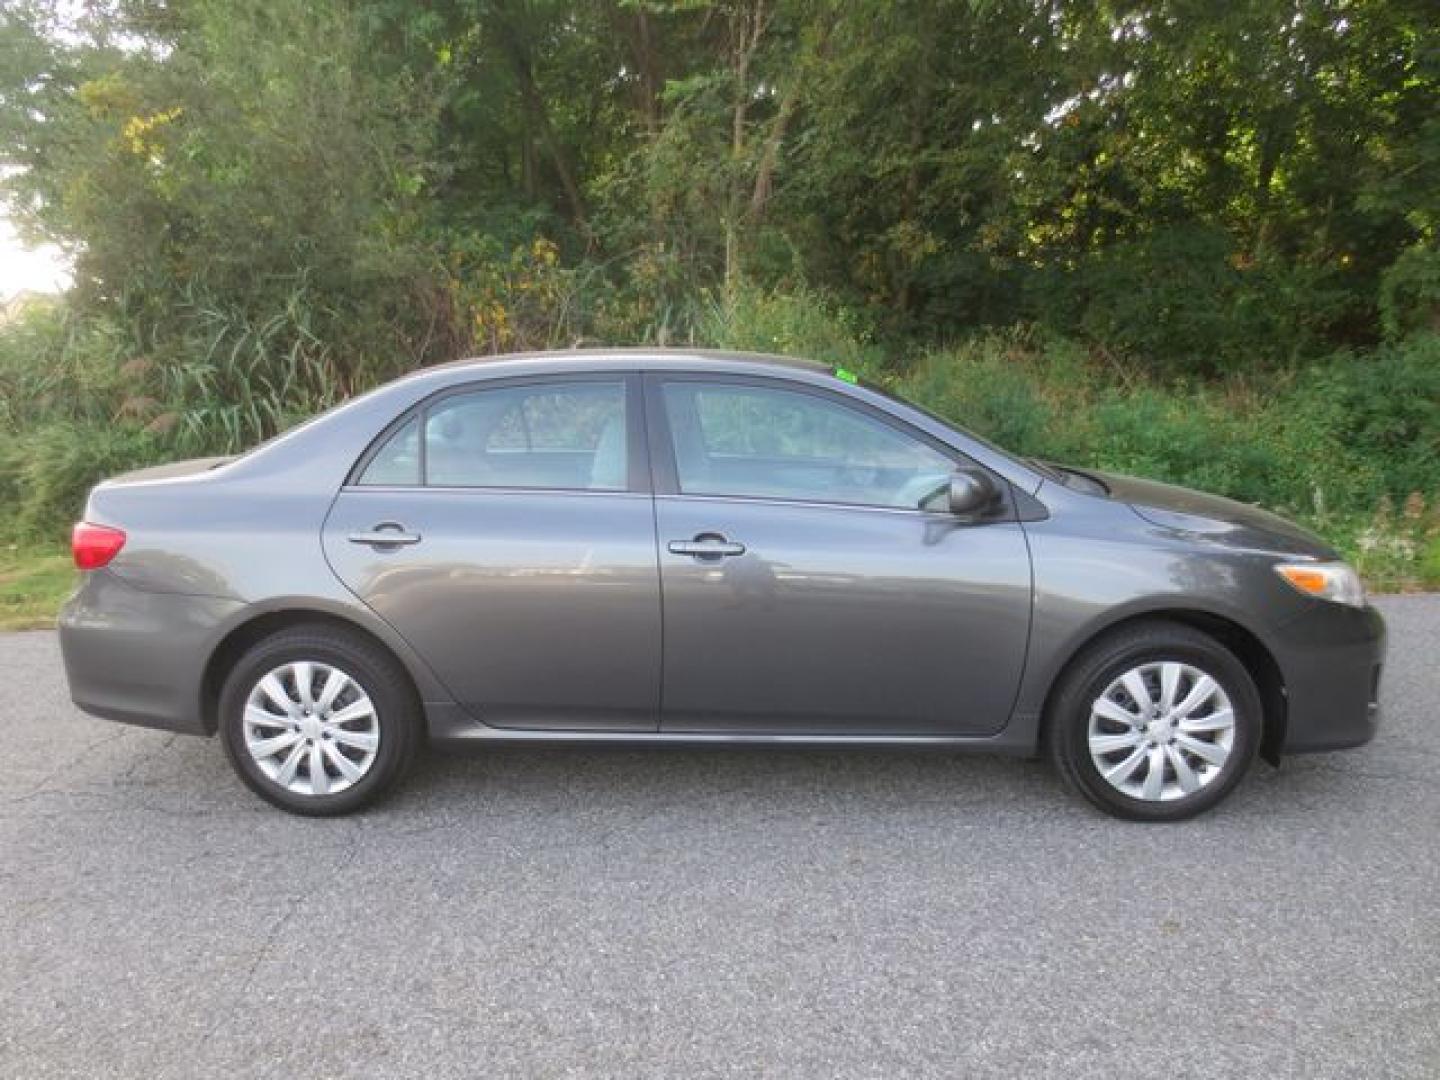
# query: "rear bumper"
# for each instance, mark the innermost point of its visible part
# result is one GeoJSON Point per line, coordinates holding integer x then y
{"type": "Point", "coordinates": [139, 657]}
{"type": "Point", "coordinates": [1332, 658]}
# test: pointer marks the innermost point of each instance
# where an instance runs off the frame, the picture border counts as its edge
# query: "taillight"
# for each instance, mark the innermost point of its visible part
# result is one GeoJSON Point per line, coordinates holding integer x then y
{"type": "Point", "coordinates": [95, 545]}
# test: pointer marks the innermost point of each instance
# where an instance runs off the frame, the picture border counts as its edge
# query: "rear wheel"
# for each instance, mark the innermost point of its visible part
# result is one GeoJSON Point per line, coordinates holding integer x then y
{"type": "Point", "coordinates": [318, 720]}
{"type": "Point", "coordinates": [1157, 722]}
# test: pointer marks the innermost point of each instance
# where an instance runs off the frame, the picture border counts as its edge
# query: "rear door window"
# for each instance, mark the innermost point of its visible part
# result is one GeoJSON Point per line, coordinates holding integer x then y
{"type": "Point", "coordinates": [557, 436]}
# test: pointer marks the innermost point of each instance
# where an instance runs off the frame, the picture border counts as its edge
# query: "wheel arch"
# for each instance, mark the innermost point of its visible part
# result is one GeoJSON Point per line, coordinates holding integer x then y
{"type": "Point", "coordinates": [1247, 646]}
{"type": "Point", "coordinates": [259, 625]}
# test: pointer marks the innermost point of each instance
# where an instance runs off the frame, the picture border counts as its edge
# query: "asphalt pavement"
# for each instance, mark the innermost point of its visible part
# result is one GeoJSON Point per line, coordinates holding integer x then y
{"type": "Point", "coordinates": [679, 913]}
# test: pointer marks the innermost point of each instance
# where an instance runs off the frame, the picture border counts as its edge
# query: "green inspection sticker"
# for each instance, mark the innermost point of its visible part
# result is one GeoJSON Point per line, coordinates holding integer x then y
{"type": "Point", "coordinates": [845, 375]}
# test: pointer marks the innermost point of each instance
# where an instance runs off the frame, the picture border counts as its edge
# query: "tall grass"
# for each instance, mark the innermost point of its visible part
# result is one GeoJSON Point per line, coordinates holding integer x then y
{"type": "Point", "coordinates": [83, 398]}
{"type": "Point", "coordinates": [250, 378]}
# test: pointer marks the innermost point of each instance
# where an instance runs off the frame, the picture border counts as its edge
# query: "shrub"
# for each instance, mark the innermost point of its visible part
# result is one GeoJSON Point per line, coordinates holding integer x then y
{"type": "Point", "coordinates": [46, 472]}
{"type": "Point", "coordinates": [801, 323]}
{"type": "Point", "coordinates": [1181, 302]}
{"type": "Point", "coordinates": [1181, 437]}
{"type": "Point", "coordinates": [1410, 293]}
{"type": "Point", "coordinates": [1326, 445]}
{"type": "Point", "coordinates": [1007, 387]}
{"type": "Point", "coordinates": [1429, 568]}
{"type": "Point", "coordinates": [1383, 407]}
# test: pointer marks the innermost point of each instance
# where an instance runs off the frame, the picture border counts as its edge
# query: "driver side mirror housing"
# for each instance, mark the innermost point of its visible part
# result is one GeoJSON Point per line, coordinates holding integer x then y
{"type": "Point", "coordinates": [972, 491]}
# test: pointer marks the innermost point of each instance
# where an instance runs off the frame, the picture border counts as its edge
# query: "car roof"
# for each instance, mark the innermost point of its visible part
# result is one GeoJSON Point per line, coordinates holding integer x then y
{"type": "Point", "coordinates": [640, 356]}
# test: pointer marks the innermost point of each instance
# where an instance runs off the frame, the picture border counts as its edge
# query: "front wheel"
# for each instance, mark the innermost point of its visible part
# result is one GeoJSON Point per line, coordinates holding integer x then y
{"type": "Point", "coordinates": [318, 720]}
{"type": "Point", "coordinates": [1157, 722]}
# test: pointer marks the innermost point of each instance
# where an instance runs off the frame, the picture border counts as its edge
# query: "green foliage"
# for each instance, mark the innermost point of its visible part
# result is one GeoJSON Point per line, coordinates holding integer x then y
{"type": "Point", "coordinates": [1429, 569]}
{"type": "Point", "coordinates": [232, 157]}
{"type": "Point", "coordinates": [1198, 190]}
{"type": "Point", "coordinates": [1410, 293]}
{"type": "Point", "coordinates": [1396, 548]}
{"type": "Point", "coordinates": [218, 381]}
{"type": "Point", "coordinates": [46, 471]}
{"type": "Point", "coordinates": [1014, 388]}
{"type": "Point", "coordinates": [792, 324]}
{"type": "Point", "coordinates": [1182, 301]}
{"type": "Point", "coordinates": [1212, 213]}
{"type": "Point", "coordinates": [234, 380]}
{"type": "Point", "coordinates": [1338, 445]}
{"type": "Point", "coordinates": [1384, 406]}
{"type": "Point", "coordinates": [33, 583]}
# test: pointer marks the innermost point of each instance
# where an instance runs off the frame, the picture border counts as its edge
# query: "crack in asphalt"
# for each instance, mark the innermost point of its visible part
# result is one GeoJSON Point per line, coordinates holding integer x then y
{"type": "Point", "coordinates": [201, 1051]}
{"type": "Point", "coordinates": [41, 786]}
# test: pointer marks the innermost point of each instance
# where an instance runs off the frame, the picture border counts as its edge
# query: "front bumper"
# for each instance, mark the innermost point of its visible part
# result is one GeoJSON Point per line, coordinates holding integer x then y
{"type": "Point", "coordinates": [139, 657]}
{"type": "Point", "coordinates": [1331, 658]}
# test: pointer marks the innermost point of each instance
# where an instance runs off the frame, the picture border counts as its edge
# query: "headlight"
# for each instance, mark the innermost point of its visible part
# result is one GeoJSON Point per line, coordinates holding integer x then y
{"type": "Point", "coordinates": [1325, 581]}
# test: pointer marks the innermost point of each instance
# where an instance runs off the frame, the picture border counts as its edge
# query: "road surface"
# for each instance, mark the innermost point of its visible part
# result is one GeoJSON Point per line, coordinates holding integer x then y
{"type": "Point", "coordinates": [680, 913]}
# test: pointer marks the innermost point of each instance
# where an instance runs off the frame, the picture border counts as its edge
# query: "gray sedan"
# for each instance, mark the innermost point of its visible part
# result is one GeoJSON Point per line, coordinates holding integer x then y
{"type": "Point", "coordinates": [653, 547]}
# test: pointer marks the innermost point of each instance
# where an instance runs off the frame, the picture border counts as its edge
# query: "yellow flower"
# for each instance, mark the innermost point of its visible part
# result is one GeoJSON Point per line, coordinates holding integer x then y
{"type": "Point", "coordinates": [137, 130]}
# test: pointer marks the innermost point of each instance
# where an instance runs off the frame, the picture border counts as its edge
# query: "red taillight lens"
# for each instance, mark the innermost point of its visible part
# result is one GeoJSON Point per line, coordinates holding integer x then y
{"type": "Point", "coordinates": [95, 545]}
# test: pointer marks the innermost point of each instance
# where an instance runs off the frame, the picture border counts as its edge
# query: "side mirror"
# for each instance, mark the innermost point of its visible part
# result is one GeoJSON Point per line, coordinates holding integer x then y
{"type": "Point", "coordinates": [972, 491]}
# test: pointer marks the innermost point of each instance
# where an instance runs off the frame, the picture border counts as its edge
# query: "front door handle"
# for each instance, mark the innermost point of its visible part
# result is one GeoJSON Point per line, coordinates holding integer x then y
{"type": "Point", "coordinates": [706, 546]}
{"type": "Point", "coordinates": [385, 534]}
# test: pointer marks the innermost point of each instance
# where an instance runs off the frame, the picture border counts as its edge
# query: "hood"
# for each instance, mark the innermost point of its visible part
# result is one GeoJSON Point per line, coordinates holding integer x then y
{"type": "Point", "coordinates": [1214, 517]}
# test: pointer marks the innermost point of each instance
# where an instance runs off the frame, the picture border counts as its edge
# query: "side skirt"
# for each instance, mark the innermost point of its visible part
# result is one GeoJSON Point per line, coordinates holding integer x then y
{"type": "Point", "coordinates": [452, 726]}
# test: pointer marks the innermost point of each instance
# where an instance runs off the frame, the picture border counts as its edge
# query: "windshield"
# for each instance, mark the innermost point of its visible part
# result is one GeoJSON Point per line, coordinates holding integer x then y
{"type": "Point", "coordinates": [1043, 469]}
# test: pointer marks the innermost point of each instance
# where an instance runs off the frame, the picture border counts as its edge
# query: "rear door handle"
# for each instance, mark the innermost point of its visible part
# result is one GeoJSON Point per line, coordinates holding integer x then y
{"type": "Point", "coordinates": [385, 534]}
{"type": "Point", "coordinates": [706, 546]}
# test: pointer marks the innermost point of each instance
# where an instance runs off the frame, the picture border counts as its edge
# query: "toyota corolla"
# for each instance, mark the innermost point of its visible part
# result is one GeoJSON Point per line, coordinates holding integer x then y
{"type": "Point", "coordinates": [648, 547]}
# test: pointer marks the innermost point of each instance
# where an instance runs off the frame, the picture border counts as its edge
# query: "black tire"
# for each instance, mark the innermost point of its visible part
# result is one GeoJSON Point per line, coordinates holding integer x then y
{"type": "Point", "coordinates": [396, 710]}
{"type": "Point", "coordinates": [1105, 660]}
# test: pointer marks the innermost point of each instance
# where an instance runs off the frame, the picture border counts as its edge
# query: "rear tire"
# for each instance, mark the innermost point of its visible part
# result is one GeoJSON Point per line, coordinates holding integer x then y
{"type": "Point", "coordinates": [319, 720]}
{"type": "Point", "coordinates": [1154, 722]}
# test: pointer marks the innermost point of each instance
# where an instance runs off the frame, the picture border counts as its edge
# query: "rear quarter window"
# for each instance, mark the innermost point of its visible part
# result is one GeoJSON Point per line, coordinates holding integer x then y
{"type": "Point", "coordinates": [397, 463]}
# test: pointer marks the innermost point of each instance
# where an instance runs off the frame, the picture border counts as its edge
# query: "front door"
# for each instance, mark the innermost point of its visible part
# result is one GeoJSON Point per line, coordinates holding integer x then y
{"type": "Point", "coordinates": [506, 531]}
{"type": "Point", "coordinates": [806, 589]}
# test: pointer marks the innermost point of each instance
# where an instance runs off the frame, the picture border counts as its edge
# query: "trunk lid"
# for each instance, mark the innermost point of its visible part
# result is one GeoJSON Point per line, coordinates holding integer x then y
{"type": "Point", "coordinates": [175, 470]}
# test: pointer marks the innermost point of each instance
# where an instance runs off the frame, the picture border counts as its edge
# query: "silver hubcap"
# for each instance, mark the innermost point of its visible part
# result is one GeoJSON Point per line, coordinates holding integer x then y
{"type": "Point", "coordinates": [311, 728]}
{"type": "Point", "coordinates": [1161, 731]}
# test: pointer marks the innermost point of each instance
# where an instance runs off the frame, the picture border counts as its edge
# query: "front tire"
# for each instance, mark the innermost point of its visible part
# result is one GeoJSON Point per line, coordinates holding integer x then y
{"type": "Point", "coordinates": [318, 720]}
{"type": "Point", "coordinates": [1155, 722]}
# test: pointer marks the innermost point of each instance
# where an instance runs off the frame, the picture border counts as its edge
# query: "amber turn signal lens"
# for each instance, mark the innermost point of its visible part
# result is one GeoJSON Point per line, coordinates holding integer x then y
{"type": "Point", "coordinates": [1306, 580]}
{"type": "Point", "coordinates": [1325, 581]}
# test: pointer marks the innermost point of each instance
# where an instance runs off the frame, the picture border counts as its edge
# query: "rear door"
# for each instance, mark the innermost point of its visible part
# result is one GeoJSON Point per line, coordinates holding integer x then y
{"type": "Point", "coordinates": [806, 590]}
{"type": "Point", "coordinates": [505, 529]}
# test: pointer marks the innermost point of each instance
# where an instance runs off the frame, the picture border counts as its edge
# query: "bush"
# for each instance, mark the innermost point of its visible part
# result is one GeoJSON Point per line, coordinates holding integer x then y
{"type": "Point", "coordinates": [46, 472]}
{"type": "Point", "coordinates": [1430, 563]}
{"type": "Point", "coordinates": [802, 324]}
{"type": "Point", "coordinates": [1181, 303]}
{"type": "Point", "coordinates": [1334, 445]}
{"type": "Point", "coordinates": [1410, 293]}
{"type": "Point", "coordinates": [1187, 438]}
{"type": "Point", "coordinates": [55, 365]}
{"type": "Point", "coordinates": [1023, 394]}
{"type": "Point", "coordinates": [1383, 408]}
